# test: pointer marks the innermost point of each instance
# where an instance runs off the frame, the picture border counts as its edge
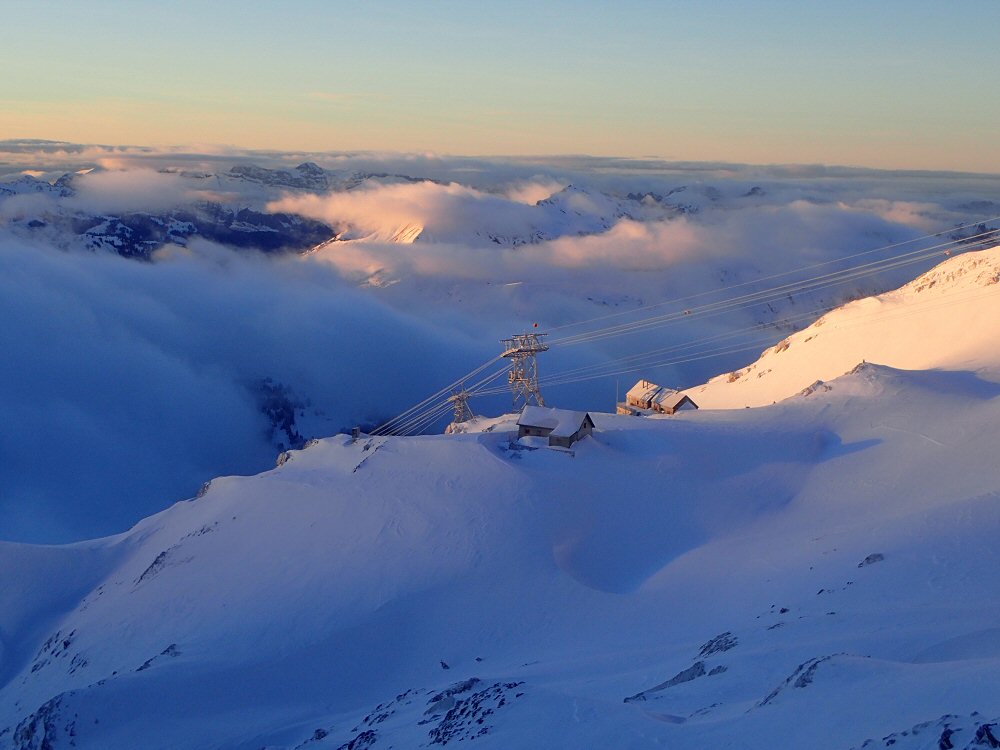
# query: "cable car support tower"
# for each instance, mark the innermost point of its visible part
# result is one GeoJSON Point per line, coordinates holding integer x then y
{"type": "Point", "coordinates": [459, 401]}
{"type": "Point", "coordinates": [522, 350]}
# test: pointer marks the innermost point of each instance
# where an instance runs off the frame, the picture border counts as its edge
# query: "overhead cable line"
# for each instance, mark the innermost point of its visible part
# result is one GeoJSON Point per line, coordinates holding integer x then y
{"type": "Point", "coordinates": [431, 408]}
{"type": "Point", "coordinates": [762, 296]}
{"type": "Point", "coordinates": [388, 426]}
{"type": "Point", "coordinates": [780, 274]}
{"type": "Point", "coordinates": [944, 301]}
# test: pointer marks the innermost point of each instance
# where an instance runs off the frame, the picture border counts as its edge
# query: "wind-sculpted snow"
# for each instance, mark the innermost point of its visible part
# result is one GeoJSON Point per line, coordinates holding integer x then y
{"type": "Point", "coordinates": [689, 581]}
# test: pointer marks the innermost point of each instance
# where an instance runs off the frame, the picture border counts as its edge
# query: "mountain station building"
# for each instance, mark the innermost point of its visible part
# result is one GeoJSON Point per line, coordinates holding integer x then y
{"type": "Point", "coordinates": [560, 426]}
{"type": "Point", "coordinates": [646, 398]}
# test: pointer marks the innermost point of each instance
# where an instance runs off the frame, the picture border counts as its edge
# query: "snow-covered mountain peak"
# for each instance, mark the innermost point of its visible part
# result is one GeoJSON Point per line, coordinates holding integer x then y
{"type": "Point", "coordinates": [306, 176]}
{"type": "Point", "coordinates": [398, 234]}
{"type": "Point", "coordinates": [28, 185]}
{"type": "Point", "coordinates": [946, 318]}
{"type": "Point", "coordinates": [967, 270]}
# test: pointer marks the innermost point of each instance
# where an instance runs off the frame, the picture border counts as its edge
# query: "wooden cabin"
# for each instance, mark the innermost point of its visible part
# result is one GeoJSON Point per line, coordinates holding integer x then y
{"type": "Point", "coordinates": [669, 401]}
{"type": "Point", "coordinates": [641, 394]}
{"type": "Point", "coordinates": [646, 397]}
{"type": "Point", "coordinates": [561, 427]}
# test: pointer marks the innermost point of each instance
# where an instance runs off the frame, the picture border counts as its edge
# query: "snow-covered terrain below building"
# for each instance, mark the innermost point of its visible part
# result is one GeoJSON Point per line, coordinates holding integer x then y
{"type": "Point", "coordinates": [820, 573]}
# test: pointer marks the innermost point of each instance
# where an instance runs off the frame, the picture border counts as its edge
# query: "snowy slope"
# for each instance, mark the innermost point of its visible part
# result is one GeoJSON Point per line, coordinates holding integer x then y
{"type": "Point", "coordinates": [815, 574]}
{"type": "Point", "coordinates": [947, 318]}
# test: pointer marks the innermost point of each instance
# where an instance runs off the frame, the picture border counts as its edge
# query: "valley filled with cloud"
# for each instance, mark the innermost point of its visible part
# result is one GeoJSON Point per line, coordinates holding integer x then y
{"type": "Point", "coordinates": [170, 316]}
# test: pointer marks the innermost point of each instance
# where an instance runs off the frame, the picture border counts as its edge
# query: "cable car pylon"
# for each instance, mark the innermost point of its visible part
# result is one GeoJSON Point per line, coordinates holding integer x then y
{"type": "Point", "coordinates": [522, 349]}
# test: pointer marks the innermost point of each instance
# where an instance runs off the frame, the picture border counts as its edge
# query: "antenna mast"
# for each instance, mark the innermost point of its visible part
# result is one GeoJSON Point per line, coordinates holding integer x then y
{"type": "Point", "coordinates": [521, 349]}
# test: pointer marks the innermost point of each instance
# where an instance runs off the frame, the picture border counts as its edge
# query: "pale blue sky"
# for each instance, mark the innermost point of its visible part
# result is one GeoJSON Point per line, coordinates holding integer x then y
{"type": "Point", "coordinates": [887, 84]}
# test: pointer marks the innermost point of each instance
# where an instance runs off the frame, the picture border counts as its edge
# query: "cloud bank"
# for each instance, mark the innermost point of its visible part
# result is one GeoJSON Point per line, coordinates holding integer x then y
{"type": "Point", "coordinates": [453, 231]}
{"type": "Point", "coordinates": [127, 385]}
{"type": "Point", "coordinates": [125, 191]}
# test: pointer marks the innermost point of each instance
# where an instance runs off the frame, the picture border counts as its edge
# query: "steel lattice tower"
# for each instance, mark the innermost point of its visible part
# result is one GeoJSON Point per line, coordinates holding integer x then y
{"type": "Point", "coordinates": [521, 349]}
{"type": "Point", "coordinates": [460, 402]}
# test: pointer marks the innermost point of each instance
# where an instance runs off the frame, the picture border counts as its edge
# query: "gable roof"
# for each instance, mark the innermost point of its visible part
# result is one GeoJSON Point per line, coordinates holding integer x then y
{"type": "Point", "coordinates": [642, 391]}
{"type": "Point", "coordinates": [669, 399]}
{"type": "Point", "coordinates": [562, 422]}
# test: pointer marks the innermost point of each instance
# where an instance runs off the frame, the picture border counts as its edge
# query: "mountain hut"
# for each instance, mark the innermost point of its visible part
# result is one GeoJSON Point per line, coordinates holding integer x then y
{"type": "Point", "coordinates": [668, 401]}
{"type": "Point", "coordinates": [646, 397]}
{"type": "Point", "coordinates": [641, 394]}
{"type": "Point", "coordinates": [561, 427]}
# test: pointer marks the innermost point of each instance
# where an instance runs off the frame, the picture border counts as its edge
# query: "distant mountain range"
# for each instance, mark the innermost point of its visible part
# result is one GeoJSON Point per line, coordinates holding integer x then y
{"type": "Point", "coordinates": [238, 218]}
{"type": "Point", "coordinates": [138, 234]}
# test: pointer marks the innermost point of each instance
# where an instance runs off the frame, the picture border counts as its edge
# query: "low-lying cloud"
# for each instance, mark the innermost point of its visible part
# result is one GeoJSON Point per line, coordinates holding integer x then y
{"type": "Point", "coordinates": [127, 385]}
{"type": "Point", "coordinates": [453, 231]}
{"type": "Point", "coordinates": [125, 191]}
{"type": "Point", "coordinates": [446, 213]}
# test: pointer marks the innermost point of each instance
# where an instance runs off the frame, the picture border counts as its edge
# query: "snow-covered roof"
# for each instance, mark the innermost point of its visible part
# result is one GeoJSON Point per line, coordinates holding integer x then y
{"type": "Point", "coordinates": [646, 390]}
{"type": "Point", "coordinates": [562, 422]}
{"type": "Point", "coordinates": [668, 398]}
{"type": "Point", "coordinates": [642, 391]}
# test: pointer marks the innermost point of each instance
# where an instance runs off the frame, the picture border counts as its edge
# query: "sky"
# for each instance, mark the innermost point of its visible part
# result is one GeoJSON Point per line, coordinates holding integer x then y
{"type": "Point", "coordinates": [898, 85]}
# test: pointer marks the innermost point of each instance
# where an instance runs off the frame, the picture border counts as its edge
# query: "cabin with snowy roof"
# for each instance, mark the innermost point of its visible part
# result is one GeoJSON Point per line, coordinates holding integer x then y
{"type": "Point", "coordinates": [641, 394]}
{"type": "Point", "coordinates": [646, 397]}
{"type": "Point", "coordinates": [560, 426]}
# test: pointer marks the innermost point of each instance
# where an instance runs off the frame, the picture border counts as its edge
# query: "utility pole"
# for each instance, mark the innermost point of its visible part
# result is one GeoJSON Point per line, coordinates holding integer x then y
{"type": "Point", "coordinates": [522, 350]}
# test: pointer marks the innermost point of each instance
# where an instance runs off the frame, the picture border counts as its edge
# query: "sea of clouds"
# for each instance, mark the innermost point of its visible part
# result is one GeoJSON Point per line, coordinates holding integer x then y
{"type": "Point", "coordinates": [127, 384]}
